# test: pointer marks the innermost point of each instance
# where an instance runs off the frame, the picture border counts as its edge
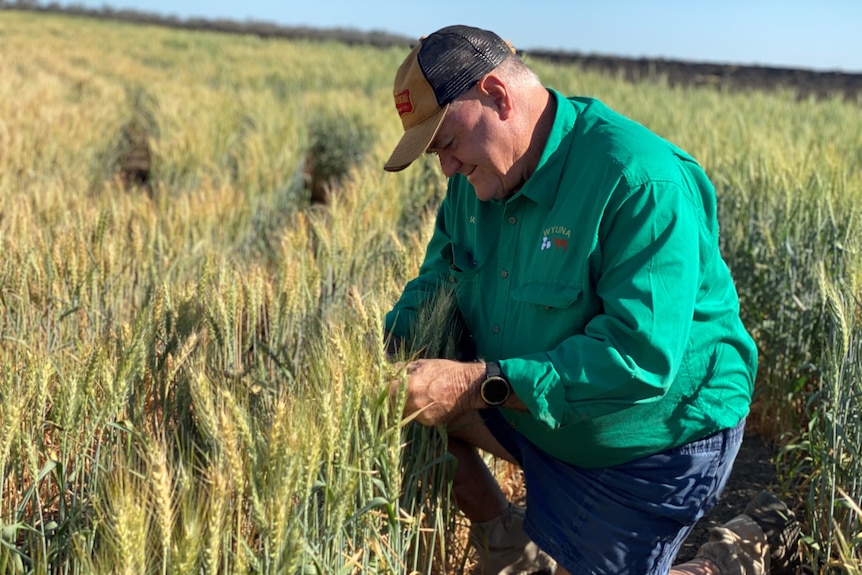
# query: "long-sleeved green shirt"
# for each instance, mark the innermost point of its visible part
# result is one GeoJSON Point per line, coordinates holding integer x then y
{"type": "Point", "coordinates": [600, 289]}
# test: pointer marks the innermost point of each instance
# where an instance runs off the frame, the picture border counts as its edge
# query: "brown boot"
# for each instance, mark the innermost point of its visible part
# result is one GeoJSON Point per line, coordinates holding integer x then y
{"type": "Point", "coordinates": [782, 531]}
{"type": "Point", "coordinates": [739, 547]}
{"type": "Point", "coordinates": [764, 539]}
{"type": "Point", "coordinates": [504, 548]}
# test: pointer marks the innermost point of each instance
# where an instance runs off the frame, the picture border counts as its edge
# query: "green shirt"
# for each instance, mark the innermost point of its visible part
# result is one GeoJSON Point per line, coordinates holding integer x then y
{"type": "Point", "coordinates": [600, 289]}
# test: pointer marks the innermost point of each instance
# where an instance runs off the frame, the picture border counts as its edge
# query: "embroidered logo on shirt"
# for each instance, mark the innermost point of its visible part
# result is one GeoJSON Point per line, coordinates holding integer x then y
{"type": "Point", "coordinates": [556, 237]}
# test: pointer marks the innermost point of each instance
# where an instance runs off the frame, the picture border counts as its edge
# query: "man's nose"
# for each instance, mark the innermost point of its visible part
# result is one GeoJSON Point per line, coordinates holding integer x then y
{"type": "Point", "coordinates": [449, 163]}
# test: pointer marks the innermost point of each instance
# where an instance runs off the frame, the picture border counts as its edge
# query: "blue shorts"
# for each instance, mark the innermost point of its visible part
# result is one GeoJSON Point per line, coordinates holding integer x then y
{"type": "Point", "coordinates": [627, 519]}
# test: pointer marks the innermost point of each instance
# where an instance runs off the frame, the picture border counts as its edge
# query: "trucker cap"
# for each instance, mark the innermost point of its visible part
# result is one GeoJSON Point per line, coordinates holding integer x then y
{"type": "Point", "coordinates": [442, 67]}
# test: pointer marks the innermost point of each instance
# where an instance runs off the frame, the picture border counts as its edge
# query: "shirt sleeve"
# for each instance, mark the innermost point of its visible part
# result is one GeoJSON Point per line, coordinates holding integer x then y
{"type": "Point", "coordinates": [648, 281]}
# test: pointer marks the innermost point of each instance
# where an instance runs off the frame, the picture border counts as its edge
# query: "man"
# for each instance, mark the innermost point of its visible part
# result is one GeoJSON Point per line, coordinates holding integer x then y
{"type": "Point", "coordinates": [583, 252]}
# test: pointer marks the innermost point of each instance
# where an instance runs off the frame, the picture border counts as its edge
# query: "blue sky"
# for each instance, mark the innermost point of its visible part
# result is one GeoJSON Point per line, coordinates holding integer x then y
{"type": "Point", "coordinates": [815, 34]}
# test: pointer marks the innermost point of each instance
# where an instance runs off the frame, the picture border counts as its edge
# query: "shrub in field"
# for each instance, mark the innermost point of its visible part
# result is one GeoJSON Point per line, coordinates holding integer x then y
{"type": "Point", "coordinates": [129, 155]}
{"type": "Point", "coordinates": [337, 143]}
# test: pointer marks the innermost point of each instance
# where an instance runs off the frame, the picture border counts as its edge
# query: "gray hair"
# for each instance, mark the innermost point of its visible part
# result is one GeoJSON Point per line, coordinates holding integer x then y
{"type": "Point", "coordinates": [516, 72]}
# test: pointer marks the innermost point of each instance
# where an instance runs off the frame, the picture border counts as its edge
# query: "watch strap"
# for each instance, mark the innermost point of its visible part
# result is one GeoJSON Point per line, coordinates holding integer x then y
{"type": "Point", "coordinates": [492, 369]}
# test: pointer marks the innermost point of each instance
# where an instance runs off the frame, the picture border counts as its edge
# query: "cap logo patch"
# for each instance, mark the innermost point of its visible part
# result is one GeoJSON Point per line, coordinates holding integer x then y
{"type": "Point", "coordinates": [403, 103]}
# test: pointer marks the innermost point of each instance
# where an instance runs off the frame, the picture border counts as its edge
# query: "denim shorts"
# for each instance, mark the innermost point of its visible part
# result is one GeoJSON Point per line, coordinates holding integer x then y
{"type": "Point", "coordinates": [628, 519]}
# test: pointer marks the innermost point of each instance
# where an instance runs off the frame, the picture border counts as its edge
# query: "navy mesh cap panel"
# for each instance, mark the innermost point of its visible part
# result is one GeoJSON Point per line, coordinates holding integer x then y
{"type": "Point", "coordinates": [454, 58]}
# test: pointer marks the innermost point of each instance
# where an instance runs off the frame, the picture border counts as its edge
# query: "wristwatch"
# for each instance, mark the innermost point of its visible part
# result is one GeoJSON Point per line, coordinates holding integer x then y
{"type": "Point", "coordinates": [496, 388]}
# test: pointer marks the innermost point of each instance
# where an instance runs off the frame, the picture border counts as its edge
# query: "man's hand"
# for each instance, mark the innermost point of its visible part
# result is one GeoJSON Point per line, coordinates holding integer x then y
{"type": "Point", "coordinates": [440, 389]}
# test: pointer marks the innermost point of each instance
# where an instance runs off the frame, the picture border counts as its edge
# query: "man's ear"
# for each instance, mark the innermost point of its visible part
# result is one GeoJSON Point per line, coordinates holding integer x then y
{"type": "Point", "coordinates": [495, 89]}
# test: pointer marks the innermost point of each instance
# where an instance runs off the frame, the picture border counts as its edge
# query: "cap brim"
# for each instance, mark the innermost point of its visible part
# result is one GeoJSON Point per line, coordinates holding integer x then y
{"type": "Point", "coordinates": [415, 141]}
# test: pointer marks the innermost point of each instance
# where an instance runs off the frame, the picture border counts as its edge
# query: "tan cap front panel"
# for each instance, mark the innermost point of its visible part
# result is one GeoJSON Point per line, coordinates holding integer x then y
{"type": "Point", "coordinates": [414, 97]}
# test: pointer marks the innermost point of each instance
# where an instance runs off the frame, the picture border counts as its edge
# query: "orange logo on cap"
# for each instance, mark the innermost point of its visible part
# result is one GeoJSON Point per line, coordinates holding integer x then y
{"type": "Point", "coordinates": [403, 103]}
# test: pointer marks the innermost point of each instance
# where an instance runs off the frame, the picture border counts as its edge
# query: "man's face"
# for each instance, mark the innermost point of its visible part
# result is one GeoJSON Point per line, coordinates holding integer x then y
{"type": "Point", "coordinates": [471, 142]}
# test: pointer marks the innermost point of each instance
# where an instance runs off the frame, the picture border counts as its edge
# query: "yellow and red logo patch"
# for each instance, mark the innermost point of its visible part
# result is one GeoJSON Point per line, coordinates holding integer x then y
{"type": "Point", "coordinates": [403, 103]}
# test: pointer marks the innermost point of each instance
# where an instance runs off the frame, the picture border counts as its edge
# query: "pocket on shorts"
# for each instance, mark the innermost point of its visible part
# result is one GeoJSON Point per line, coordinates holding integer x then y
{"type": "Point", "coordinates": [678, 486]}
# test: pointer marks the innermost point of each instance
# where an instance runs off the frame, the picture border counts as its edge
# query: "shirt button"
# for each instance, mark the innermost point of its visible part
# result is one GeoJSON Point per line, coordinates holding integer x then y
{"type": "Point", "coordinates": [513, 220]}
{"type": "Point", "coordinates": [451, 279]}
{"type": "Point", "coordinates": [504, 274]}
{"type": "Point", "coordinates": [496, 329]}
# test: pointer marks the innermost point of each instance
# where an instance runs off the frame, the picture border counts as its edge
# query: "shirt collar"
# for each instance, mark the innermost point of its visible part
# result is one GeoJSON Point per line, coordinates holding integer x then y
{"type": "Point", "coordinates": [541, 187]}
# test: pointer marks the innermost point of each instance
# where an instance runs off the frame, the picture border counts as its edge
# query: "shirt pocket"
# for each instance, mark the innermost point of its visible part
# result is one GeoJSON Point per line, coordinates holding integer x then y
{"type": "Point", "coordinates": [463, 277]}
{"type": "Point", "coordinates": [462, 264]}
{"type": "Point", "coordinates": [555, 311]}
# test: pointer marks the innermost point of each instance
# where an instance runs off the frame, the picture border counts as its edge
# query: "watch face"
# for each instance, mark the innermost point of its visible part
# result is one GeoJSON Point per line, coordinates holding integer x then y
{"type": "Point", "coordinates": [495, 390]}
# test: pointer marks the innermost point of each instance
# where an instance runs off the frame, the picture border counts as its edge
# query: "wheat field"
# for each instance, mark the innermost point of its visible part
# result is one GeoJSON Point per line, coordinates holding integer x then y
{"type": "Point", "coordinates": [192, 371]}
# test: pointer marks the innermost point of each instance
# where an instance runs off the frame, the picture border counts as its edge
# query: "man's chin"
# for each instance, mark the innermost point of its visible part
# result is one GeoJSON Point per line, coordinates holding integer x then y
{"type": "Point", "coordinates": [483, 191]}
{"type": "Point", "coordinates": [484, 195]}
